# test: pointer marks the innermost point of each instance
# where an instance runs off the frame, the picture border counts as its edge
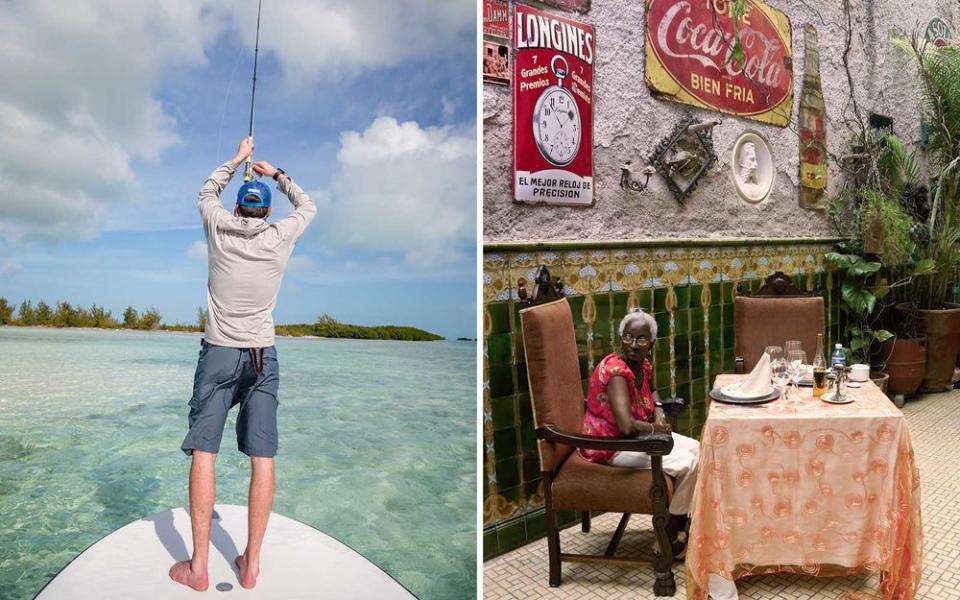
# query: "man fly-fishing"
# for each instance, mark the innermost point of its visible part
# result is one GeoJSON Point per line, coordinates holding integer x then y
{"type": "Point", "coordinates": [238, 362]}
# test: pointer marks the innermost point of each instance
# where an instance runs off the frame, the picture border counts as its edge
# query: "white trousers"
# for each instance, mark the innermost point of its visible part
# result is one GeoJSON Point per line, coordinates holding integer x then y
{"type": "Point", "coordinates": [681, 464]}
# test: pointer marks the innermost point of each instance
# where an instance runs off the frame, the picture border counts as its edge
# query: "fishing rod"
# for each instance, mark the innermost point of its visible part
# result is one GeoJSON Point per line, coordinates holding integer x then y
{"type": "Point", "coordinates": [248, 169]}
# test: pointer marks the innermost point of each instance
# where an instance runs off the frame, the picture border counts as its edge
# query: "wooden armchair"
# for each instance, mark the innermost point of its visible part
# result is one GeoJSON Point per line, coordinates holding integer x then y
{"type": "Point", "coordinates": [777, 312]}
{"type": "Point", "coordinates": [571, 482]}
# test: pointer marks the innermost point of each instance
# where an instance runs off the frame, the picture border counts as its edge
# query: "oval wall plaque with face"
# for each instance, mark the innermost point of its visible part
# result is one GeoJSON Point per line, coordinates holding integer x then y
{"type": "Point", "coordinates": [687, 47]}
{"type": "Point", "coordinates": [752, 167]}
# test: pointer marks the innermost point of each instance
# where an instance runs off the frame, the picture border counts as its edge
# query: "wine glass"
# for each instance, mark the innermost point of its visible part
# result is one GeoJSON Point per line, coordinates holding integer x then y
{"type": "Point", "coordinates": [797, 360]}
{"type": "Point", "coordinates": [792, 346]}
{"type": "Point", "coordinates": [780, 374]}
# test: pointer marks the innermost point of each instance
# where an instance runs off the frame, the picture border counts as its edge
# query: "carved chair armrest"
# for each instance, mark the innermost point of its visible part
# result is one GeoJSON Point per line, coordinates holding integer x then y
{"type": "Point", "coordinates": [672, 407]}
{"type": "Point", "coordinates": [654, 444]}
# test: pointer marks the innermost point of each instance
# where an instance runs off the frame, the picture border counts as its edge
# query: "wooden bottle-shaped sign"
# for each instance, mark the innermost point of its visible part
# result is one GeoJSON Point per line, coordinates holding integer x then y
{"type": "Point", "coordinates": [813, 131]}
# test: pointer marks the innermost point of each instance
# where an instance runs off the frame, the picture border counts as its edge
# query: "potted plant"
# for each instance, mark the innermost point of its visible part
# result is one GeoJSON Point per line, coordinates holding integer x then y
{"type": "Point", "coordinates": [939, 243]}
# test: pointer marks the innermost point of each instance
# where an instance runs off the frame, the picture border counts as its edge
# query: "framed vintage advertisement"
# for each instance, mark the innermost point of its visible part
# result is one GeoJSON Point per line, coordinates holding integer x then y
{"type": "Point", "coordinates": [496, 62]}
{"type": "Point", "coordinates": [495, 19]}
{"type": "Point", "coordinates": [688, 45]}
{"type": "Point", "coordinates": [552, 108]}
{"type": "Point", "coordinates": [580, 6]}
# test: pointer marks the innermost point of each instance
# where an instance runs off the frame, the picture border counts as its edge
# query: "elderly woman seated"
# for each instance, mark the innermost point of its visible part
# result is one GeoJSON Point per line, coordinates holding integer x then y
{"type": "Point", "coordinates": [621, 402]}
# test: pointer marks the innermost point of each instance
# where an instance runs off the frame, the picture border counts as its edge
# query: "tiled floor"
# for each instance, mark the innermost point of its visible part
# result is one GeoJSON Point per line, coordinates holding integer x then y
{"type": "Point", "coordinates": [935, 431]}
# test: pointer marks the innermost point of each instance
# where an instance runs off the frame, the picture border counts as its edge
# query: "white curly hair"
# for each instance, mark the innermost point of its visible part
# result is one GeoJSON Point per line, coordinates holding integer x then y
{"type": "Point", "coordinates": [638, 314]}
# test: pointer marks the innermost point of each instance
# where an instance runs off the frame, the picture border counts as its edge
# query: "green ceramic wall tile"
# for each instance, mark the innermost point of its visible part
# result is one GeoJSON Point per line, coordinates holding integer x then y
{"type": "Point", "coordinates": [490, 546]}
{"type": "Point", "coordinates": [620, 305]}
{"type": "Point", "coordinates": [697, 369]}
{"type": "Point", "coordinates": [602, 302]}
{"type": "Point", "coordinates": [525, 407]}
{"type": "Point", "coordinates": [528, 439]}
{"type": "Point", "coordinates": [697, 347]}
{"type": "Point", "coordinates": [728, 335]}
{"type": "Point", "coordinates": [681, 320]}
{"type": "Point", "coordinates": [576, 307]}
{"type": "Point", "coordinates": [499, 317]}
{"type": "Point", "coordinates": [727, 315]}
{"type": "Point", "coordinates": [681, 346]}
{"type": "Point", "coordinates": [682, 370]}
{"type": "Point", "coordinates": [661, 372]}
{"type": "Point", "coordinates": [536, 524]}
{"type": "Point", "coordinates": [662, 347]}
{"type": "Point", "coordinates": [498, 349]}
{"type": "Point", "coordinates": [726, 292]}
{"type": "Point", "coordinates": [660, 300]}
{"type": "Point", "coordinates": [696, 292]}
{"type": "Point", "coordinates": [505, 444]}
{"type": "Point", "coordinates": [697, 392]}
{"type": "Point", "coordinates": [715, 313]}
{"type": "Point", "coordinates": [643, 297]}
{"type": "Point", "coordinates": [531, 467]}
{"type": "Point", "coordinates": [501, 380]}
{"type": "Point", "coordinates": [696, 319]}
{"type": "Point", "coordinates": [511, 535]}
{"type": "Point", "coordinates": [663, 325]}
{"type": "Point", "coordinates": [716, 293]}
{"type": "Point", "coordinates": [508, 472]}
{"type": "Point", "coordinates": [683, 297]}
{"type": "Point", "coordinates": [522, 379]}
{"type": "Point", "coordinates": [664, 390]}
{"type": "Point", "coordinates": [503, 412]}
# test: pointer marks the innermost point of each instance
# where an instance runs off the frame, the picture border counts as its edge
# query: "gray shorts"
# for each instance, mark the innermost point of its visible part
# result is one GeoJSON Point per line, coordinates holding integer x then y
{"type": "Point", "coordinates": [226, 377]}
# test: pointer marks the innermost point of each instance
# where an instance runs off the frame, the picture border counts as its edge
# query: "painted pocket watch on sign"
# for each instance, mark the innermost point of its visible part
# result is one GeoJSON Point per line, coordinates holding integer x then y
{"type": "Point", "coordinates": [556, 119]}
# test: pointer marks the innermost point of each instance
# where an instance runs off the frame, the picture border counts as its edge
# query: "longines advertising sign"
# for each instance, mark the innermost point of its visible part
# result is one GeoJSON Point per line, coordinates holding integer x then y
{"type": "Point", "coordinates": [688, 48]}
{"type": "Point", "coordinates": [552, 108]}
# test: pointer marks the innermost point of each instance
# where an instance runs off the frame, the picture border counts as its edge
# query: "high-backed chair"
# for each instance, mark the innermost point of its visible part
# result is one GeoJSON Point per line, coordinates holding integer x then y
{"type": "Point", "coordinates": [571, 482]}
{"type": "Point", "coordinates": [777, 312]}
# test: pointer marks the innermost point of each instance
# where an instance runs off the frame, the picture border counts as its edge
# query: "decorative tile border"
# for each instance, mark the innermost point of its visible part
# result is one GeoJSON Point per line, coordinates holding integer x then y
{"type": "Point", "coordinates": [687, 285]}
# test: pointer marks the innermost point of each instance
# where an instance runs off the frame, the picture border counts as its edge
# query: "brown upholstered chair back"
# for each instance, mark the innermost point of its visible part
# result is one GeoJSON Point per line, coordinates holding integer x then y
{"type": "Point", "coordinates": [770, 321]}
{"type": "Point", "coordinates": [553, 372]}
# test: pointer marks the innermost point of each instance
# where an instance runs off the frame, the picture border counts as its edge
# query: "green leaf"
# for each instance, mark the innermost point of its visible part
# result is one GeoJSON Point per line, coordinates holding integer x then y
{"type": "Point", "coordinates": [854, 330]}
{"type": "Point", "coordinates": [864, 268]}
{"type": "Point", "coordinates": [856, 344]}
{"type": "Point", "coordinates": [882, 335]}
{"type": "Point", "coordinates": [857, 296]}
{"type": "Point", "coordinates": [841, 261]}
{"type": "Point", "coordinates": [925, 267]}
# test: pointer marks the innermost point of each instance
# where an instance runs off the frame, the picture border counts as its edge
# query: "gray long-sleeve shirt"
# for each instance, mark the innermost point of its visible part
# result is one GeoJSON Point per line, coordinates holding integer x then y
{"type": "Point", "coordinates": [246, 259]}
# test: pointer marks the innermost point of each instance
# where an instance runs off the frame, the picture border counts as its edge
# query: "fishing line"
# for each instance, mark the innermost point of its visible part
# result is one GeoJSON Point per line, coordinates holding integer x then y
{"type": "Point", "coordinates": [248, 172]}
{"type": "Point", "coordinates": [226, 97]}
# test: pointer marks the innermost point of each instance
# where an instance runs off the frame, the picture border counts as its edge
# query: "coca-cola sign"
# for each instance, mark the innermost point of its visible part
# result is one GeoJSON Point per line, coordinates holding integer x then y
{"type": "Point", "coordinates": [689, 44]}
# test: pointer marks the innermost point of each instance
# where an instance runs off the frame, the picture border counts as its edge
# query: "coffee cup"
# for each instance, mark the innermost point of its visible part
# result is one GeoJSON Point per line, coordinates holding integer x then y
{"type": "Point", "coordinates": [859, 372]}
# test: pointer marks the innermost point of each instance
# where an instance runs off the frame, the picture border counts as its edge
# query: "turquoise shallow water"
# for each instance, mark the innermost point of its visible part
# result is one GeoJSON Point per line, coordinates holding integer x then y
{"type": "Point", "coordinates": [377, 448]}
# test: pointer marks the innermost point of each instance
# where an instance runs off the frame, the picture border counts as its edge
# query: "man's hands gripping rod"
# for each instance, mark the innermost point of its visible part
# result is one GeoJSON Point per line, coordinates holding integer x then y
{"type": "Point", "coordinates": [244, 152]}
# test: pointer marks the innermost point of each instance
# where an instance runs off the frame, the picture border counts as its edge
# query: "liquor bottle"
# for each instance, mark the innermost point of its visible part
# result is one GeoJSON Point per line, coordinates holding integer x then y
{"type": "Point", "coordinates": [819, 369]}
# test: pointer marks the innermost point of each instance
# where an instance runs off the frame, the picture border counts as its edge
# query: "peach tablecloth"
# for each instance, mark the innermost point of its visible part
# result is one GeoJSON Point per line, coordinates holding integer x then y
{"type": "Point", "coordinates": [818, 488]}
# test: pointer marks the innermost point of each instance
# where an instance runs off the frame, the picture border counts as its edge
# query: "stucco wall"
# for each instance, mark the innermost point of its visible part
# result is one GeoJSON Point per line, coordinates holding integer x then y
{"type": "Point", "coordinates": [629, 123]}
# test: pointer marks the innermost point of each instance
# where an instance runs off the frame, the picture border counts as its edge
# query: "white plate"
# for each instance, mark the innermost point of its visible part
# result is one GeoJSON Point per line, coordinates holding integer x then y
{"type": "Point", "coordinates": [829, 399]}
{"type": "Point", "coordinates": [733, 391]}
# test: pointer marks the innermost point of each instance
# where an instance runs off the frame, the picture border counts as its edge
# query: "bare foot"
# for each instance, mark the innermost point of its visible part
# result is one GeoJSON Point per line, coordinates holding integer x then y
{"type": "Point", "coordinates": [182, 572]}
{"type": "Point", "coordinates": [248, 576]}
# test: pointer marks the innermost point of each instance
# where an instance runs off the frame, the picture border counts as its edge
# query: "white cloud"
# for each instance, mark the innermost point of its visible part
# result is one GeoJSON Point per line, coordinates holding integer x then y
{"type": "Point", "coordinates": [401, 188]}
{"type": "Point", "coordinates": [197, 250]}
{"type": "Point", "coordinates": [314, 37]}
{"type": "Point", "coordinates": [10, 266]}
{"type": "Point", "coordinates": [301, 263]}
{"type": "Point", "coordinates": [81, 104]}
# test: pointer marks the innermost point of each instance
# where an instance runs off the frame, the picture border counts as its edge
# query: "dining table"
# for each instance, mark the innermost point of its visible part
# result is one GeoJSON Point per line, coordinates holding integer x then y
{"type": "Point", "coordinates": [799, 485]}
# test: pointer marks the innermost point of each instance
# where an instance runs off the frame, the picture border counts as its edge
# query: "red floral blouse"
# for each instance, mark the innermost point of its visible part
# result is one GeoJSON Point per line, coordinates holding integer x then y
{"type": "Point", "coordinates": [599, 419]}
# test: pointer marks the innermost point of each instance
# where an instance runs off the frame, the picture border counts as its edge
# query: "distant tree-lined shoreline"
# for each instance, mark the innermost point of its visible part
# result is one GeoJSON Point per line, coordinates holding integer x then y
{"type": "Point", "coordinates": [64, 314]}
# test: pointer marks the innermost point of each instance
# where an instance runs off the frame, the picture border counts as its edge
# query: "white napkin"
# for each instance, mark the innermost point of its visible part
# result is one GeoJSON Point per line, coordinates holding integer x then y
{"type": "Point", "coordinates": [758, 382]}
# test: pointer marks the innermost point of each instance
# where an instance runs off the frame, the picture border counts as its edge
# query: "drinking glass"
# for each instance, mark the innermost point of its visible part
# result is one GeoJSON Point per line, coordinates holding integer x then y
{"type": "Point", "coordinates": [792, 346]}
{"type": "Point", "coordinates": [798, 361]}
{"type": "Point", "coordinates": [780, 374]}
{"type": "Point", "coordinates": [775, 353]}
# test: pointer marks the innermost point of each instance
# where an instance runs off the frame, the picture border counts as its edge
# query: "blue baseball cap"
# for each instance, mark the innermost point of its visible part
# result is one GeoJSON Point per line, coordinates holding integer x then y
{"type": "Point", "coordinates": [254, 194]}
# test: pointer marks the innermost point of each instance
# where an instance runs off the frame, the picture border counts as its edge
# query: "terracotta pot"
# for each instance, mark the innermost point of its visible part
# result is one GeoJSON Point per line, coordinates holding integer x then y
{"type": "Point", "coordinates": [880, 378]}
{"type": "Point", "coordinates": [905, 361]}
{"type": "Point", "coordinates": [942, 328]}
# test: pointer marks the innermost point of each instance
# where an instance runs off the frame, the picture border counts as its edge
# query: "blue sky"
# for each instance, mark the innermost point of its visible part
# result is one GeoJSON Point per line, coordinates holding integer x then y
{"type": "Point", "coordinates": [116, 121]}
